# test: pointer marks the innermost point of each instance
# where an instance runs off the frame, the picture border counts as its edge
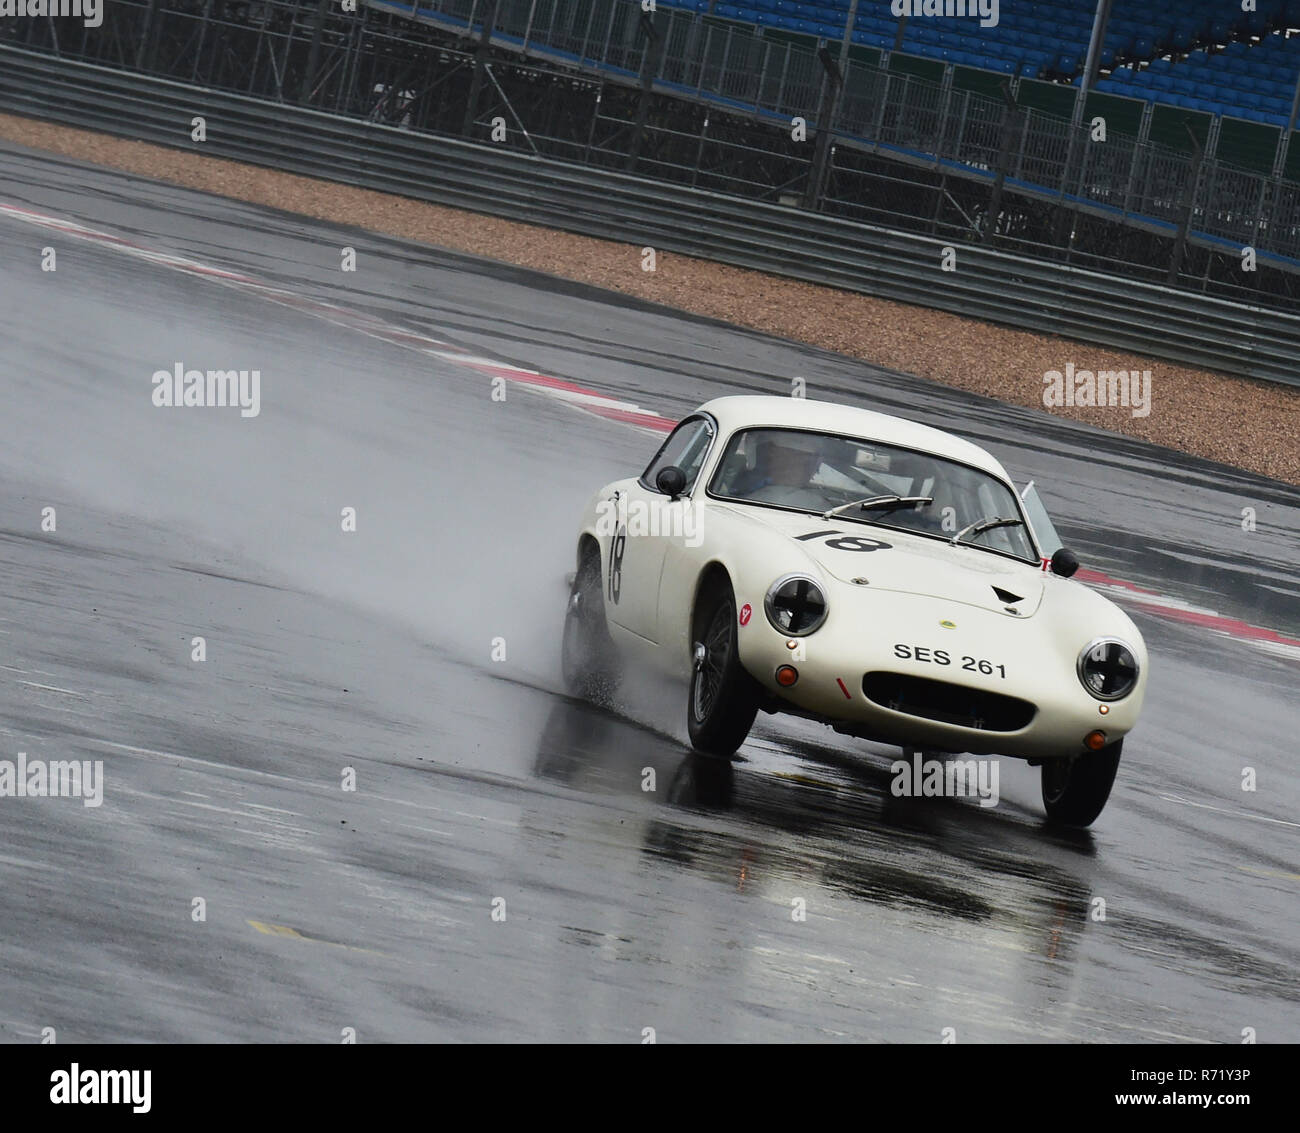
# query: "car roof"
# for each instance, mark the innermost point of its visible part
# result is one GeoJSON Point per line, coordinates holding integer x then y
{"type": "Point", "coordinates": [750, 410]}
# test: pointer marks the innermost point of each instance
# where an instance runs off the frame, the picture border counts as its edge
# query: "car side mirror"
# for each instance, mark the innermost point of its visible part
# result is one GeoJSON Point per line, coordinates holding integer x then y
{"type": "Point", "coordinates": [1065, 562]}
{"type": "Point", "coordinates": [671, 481]}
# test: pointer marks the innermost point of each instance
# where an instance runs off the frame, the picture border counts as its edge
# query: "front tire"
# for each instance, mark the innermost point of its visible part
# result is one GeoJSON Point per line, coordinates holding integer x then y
{"type": "Point", "coordinates": [723, 697]}
{"type": "Point", "coordinates": [1075, 790]}
{"type": "Point", "coordinates": [589, 661]}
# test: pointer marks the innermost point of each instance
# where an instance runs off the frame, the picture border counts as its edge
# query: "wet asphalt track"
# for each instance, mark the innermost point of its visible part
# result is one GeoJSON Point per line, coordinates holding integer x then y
{"type": "Point", "coordinates": [476, 780]}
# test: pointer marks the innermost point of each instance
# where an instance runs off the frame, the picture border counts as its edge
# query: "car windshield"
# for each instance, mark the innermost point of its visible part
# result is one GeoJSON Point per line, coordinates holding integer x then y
{"type": "Point", "coordinates": [816, 472]}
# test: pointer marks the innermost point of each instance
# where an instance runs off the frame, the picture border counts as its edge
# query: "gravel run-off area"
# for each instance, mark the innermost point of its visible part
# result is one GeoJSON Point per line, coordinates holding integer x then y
{"type": "Point", "coordinates": [1239, 421]}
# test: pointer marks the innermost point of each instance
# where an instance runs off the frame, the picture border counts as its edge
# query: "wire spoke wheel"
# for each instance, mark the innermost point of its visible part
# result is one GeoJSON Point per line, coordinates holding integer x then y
{"type": "Point", "coordinates": [1075, 790]}
{"type": "Point", "coordinates": [723, 698]}
{"type": "Point", "coordinates": [1056, 778]}
{"type": "Point", "coordinates": [588, 661]}
{"type": "Point", "coordinates": [709, 672]}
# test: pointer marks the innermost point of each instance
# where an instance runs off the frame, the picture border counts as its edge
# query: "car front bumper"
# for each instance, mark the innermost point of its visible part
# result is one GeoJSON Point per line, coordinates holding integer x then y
{"type": "Point", "coordinates": [944, 676]}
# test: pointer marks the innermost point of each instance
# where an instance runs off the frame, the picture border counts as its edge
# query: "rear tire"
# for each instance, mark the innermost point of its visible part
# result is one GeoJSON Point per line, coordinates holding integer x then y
{"type": "Point", "coordinates": [589, 662]}
{"type": "Point", "coordinates": [1075, 790]}
{"type": "Point", "coordinates": [723, 698]}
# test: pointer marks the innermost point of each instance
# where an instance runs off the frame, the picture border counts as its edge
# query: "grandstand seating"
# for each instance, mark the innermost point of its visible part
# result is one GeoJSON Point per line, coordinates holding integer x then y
{"type": "Point", "coordinates": [1253, 81]}
{"type": "Point", "coordinates": [1202, 55]}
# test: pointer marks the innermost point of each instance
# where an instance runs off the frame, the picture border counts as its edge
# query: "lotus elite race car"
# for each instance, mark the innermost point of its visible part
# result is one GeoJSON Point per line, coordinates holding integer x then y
{"type": "Point", "coordinates": [866, 571]}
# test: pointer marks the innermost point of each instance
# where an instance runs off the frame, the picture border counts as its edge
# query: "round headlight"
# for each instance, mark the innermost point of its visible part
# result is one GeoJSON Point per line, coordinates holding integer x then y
{"type": "Point", "coordinates": [795, 605]}
{"type": "Point", "coordinates": [1108, 669]}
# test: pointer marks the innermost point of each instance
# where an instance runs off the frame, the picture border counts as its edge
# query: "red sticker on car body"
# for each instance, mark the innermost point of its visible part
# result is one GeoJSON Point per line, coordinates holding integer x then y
{"type": "Point", "coordinates": [745, 614]}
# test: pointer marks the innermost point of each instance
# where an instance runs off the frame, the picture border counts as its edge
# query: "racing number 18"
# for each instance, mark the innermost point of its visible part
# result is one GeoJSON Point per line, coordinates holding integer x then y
{"type": "Point", "coordinates": [846, 542]}
{"type": "Point", "coordinates": [616, 546]}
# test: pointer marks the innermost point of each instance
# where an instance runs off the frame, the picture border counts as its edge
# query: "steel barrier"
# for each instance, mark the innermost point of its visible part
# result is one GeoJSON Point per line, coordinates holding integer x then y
{"type": "Point", "coordinates": [1051, 298]}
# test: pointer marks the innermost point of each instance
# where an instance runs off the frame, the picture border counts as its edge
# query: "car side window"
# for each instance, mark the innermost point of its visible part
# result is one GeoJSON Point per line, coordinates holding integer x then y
{"type": "Point", "coordinates": [686, 448]}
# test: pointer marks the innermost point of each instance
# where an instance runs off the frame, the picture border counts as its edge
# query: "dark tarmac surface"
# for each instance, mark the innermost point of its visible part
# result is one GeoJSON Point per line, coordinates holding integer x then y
{"type": "Point", "coordinates": [475, 779]}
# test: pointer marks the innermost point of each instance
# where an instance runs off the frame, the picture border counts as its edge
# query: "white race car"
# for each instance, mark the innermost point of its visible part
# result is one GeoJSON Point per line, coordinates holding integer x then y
{"type": "Point", "coordinates": [877, 575]}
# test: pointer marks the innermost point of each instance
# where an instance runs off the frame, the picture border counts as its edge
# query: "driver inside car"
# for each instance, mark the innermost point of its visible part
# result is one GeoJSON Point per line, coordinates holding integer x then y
{"type": "Point", "coordinates": [918, 479]}
{"type": "Point", "coordinates": [784, 465]}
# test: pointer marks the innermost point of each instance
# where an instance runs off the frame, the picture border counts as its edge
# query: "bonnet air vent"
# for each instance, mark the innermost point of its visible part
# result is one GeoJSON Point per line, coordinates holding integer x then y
{"type": "Point", "coordinates": [1006, 595]}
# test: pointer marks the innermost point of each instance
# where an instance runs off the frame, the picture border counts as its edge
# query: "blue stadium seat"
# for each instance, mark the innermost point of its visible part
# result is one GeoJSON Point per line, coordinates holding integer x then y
{"type": "Point", "coordinates": [1256, 23]}
{"type": "Point", "coordinates": [1162, 37]}
{"type": "Point", "coordinates": [1223, 60]}
{"type": "Point", "coordinates": [1121, 45]}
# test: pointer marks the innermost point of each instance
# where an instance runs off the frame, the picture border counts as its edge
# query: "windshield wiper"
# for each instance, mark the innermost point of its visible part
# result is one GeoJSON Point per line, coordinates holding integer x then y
{"type": "Point", "coordinates": [982, 525]}
{"type": "Point", "coordinates": [880, 503]}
